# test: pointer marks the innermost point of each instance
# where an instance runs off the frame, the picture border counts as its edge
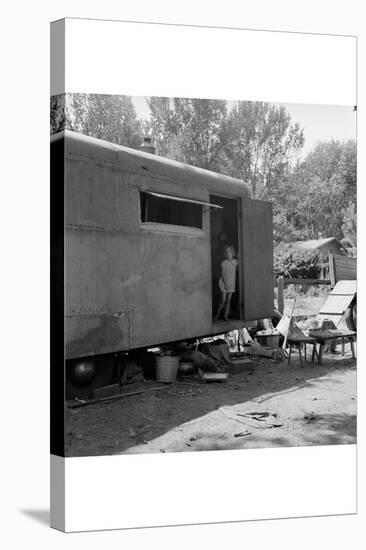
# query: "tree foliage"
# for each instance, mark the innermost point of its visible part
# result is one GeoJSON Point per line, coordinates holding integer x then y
{"type": "Point", "coordinates": [256, 142]}
{"type": "Point", "coordinates": [109, 117]}
{"type": "Point", "coordinates": [189, 130]}
{"type": "Point", "coordinates": [253, 141]}
{"type": "Point", "coordinates": [260, 145]}
{"type": "Point", "coordinates": [349, 226]}
{"type": "Point", "coordinates": [57, 113]}
{"type": "Point", "coordinates": [318, 190]}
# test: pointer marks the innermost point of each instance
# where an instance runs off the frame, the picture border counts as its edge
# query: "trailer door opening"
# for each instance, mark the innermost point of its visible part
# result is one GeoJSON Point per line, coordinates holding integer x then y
{"type": "Point", "coordinates": [224, 232]}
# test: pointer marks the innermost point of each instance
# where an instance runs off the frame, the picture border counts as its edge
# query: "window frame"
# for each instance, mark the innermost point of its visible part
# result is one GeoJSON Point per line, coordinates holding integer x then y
{"type": "Point", "coordinates": [172, 228]}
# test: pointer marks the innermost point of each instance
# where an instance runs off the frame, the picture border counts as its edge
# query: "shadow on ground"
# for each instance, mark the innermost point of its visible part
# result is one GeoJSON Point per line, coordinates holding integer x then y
{"type": "Point", "coordinates": [116, 426]}
{"type": "Point", "coordinates": [326, 429]}
{"type": "Point", "coordinates": [38, 515]}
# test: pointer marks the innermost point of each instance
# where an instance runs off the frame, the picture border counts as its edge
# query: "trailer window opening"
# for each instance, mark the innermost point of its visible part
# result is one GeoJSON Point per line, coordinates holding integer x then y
{"type": "Point", "coordinates": [157, 208]}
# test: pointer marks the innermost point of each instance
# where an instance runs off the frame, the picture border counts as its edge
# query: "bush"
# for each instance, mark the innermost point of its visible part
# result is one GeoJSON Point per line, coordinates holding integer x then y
{"type": "Point", "coordinates": [297, 263]}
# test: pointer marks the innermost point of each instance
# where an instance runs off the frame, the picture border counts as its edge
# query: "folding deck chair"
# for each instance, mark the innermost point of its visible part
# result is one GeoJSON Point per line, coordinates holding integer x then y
{"type": "Point", "coordinates": [295, 338]}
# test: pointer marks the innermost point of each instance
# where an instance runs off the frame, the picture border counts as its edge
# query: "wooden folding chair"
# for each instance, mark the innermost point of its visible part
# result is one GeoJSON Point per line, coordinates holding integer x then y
{"type": "Point", "coordinates": [294, 337]}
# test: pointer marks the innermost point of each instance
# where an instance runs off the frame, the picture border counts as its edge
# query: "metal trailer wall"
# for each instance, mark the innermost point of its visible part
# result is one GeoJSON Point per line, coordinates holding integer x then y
{"type": "Point", "coordinates": [129, 284]}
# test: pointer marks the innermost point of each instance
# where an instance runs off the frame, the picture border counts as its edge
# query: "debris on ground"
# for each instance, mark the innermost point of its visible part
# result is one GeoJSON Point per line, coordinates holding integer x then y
{"type": "Point", "coordinates": [131, 432]}
{"type": "Point", "coordinates": [310, 417]}
{"type": "Point", "coordinates": [268, 338]}
{"type": "Point", "coordinates": [210, 412]}
{"type": "Point", "coordinates": [82, 402]}
{"type": "Point", "coordinates": [241, 364]}
{"type": "Point", "coordinates": [268, 418]}
{"type": "Point", "coordinates": [259, 415]}
{"type": "Point", "coordinates": [209, 357]}
{"type": "Point", "coordinates": [214, 377]}
{"type": "Point", "coordinates": [131, 372]}
{"type": "Point", "coordinates": [259, 421]}
{"type": "Point", "coordinates": [277, 354]}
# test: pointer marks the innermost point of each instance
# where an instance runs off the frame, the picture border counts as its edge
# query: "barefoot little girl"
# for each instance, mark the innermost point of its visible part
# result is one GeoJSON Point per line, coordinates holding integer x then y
{"type": "Point", "coordinates": [227, 281]}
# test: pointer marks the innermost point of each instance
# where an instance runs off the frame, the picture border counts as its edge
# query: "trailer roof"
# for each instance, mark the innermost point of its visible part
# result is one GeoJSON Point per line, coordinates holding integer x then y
{"type": "Point", "coordinates": [137, 160]}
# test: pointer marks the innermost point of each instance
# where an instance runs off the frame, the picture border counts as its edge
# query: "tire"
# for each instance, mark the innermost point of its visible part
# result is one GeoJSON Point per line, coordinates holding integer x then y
{"type": "Point", "coordinates": [350, 316]}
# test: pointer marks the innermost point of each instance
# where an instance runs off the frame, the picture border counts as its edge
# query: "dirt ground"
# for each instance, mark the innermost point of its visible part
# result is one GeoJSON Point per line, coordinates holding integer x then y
{"type": "Point", "coordinates": [293, 406]}
{"type": "Point", "coordinates": [305, 306]}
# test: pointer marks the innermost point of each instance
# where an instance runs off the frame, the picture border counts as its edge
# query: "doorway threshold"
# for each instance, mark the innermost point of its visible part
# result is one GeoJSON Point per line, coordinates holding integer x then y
{"type": "Point", "coordinates": [220, 327]}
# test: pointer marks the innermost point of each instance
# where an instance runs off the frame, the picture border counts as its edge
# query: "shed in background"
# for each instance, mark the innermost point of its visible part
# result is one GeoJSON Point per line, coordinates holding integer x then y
{"type": "Point", "coordinates": [324, 246]}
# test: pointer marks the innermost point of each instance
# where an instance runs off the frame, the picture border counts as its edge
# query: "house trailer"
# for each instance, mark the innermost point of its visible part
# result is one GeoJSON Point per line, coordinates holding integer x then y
{"type": "Point", "coordinates": [142, 245]}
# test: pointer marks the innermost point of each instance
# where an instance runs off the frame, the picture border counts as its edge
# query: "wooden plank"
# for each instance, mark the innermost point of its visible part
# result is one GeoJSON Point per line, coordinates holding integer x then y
{"type": "Point", "coordinates": [79, 404]}
{"type": "Point", "coordinates": [336, 304]}
{"type": "Point", "coordinates": [280, 296]}
{"type": "Point", "coordinates": [214, 377]}
{"type": "Point", "coordinates": [257, 259]}
{"type": "Point", "coordinates": [345, 287]}
{"type": "Point", "coordinates": [295, 331]}
{"type": "Point", "coordinates": [221, 327]}
{"type": "Point", "coordinates": [331, 269]}
{"type": "Point", "coordinates": [283, 325]}
{"type": "Point", "coordinates": [345, 268]}
{"type": "Point", "coordinates": [338, 301]}
{"type": "Point", "coordinates": [291, 281]}
{"type": "Point", "coordinates": [331, 334]}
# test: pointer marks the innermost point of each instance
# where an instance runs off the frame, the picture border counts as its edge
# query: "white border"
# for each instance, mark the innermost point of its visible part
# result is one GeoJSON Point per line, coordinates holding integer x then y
{"type": "Point", "coordinates": [125, 491]}
{"type": "Point", "coordinates": [170, 60]}
{"type": "Point", "coordinates": [25, 484]}
{"type": "Point", "coordinates": [150, 59]}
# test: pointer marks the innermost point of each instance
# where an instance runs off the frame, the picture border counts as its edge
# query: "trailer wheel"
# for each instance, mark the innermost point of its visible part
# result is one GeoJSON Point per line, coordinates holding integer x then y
{"type": "Point", "coordinates": [350, 316]}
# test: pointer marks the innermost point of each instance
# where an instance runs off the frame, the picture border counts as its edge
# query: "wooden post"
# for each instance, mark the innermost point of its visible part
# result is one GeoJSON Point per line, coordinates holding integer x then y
{"type": "Point", "coordinates": [280, 298]}
{"type": "Point", "coordinates": [331, 270]}
{"type": "Point", "coordinates": [284, 345]}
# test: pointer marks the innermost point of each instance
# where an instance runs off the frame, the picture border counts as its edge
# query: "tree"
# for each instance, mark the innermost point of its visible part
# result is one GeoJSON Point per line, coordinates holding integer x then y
{"type": "Point", "coordinates": [256, 142]}
{"type": "Point", "coordinates": [335, 161]}
{"type": "Point", "coordinates": [57, 113]}
{"type": "Point", "coordinates": [203, 138]}
{"type": "Point", "coordinates": [285, 228]}
{"type": "Point", "coordinates": [349, 226]}
{"type": "Point", "coordinates": [320, 188]}
{"type": "Point", "coordinates": [109, 117]}
{"type": "Point", "coordinates": [163, 123]}
{"type": "Point", "coordinates": [189, 130]}
{"type": "Point", "coordinates": [260, 145]}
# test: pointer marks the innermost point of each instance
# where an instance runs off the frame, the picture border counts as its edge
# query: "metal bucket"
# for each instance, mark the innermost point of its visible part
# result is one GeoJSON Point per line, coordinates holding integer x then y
{"type": "Point", "coordinates": [166, 368]}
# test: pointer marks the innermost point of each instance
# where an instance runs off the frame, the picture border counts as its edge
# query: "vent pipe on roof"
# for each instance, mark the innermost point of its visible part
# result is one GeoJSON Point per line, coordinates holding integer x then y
{"type": "Point", "coordinates": [147, 146]}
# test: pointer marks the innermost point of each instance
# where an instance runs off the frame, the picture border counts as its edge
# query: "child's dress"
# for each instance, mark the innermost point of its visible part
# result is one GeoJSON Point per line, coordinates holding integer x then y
{"type": "Point", "coordinates": [228, 277]}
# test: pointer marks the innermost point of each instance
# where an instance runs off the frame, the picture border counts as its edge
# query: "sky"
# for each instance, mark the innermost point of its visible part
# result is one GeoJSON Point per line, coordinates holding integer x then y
{"type": "Point", "coordinates": [323, 122]}
{"type": "Point", "coordinates": [320, 122]}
